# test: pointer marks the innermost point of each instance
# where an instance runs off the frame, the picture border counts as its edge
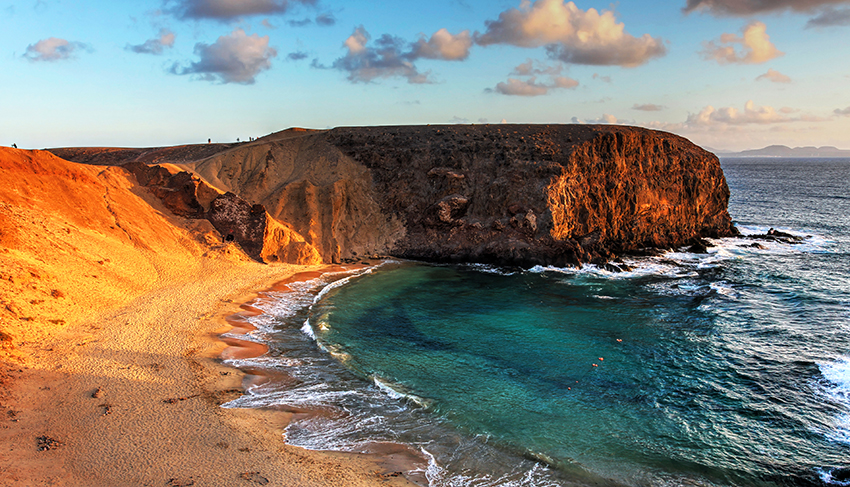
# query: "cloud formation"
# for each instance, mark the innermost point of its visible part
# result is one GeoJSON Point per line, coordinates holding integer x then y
{"type": "Point", "coordinates": [648, 107]}
{"type": "Point", "coordinates": [325, 20]}
{"type": "Point", "coordinates": [751, 114]}
{"type": "Point", "coordinates": [227, 10]}
{"type": "Point", "coordinates": [531, 87]}
{"type": "Point", "coordinates": [842, 112]}
{"type": "Point", "coordinates": [233, 58]}
{"type": "Point", "coordinates": [571, 35]}
{"type": "Point", "coordinates": [390, 56]}
{"type": "Point", "coordinates": [756, 47]}
{"type": "Point", "coordinates": [443, 45]}
{"type": "Point", "coordinates": [750, 7]}
{"type": "Point", "coordinates": [322, 20]}
{"type": "Point", "coordinates": [605, 118]}
{"type": "Point", "coordinates": [830, 17]}
{"type": "Point", "coordinates": [774, 76]}
{"type": "Point", "coordinates": [54, 49]}
{"type": "Point", "coordinates": [156, 45]}
{"type": "Point", "coordinates": [297, 56]}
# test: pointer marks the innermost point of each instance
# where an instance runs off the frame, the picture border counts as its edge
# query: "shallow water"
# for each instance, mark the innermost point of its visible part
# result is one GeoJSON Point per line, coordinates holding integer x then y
{"type": "Point", "coordinates": [731, 368]}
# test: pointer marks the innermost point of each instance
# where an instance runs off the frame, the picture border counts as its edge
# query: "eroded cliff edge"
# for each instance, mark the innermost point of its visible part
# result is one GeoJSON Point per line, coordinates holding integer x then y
{"type": "Point", "coordinates": [505, 194]}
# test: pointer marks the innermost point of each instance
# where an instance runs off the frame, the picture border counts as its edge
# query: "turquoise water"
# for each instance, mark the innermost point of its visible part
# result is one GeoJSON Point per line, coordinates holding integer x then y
{"type": "Point", "coordinates": [731, 368]}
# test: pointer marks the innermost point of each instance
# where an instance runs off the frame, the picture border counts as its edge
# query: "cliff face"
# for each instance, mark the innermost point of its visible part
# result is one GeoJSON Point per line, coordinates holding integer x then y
{"type": "Point", "coordinates": [508, 194]}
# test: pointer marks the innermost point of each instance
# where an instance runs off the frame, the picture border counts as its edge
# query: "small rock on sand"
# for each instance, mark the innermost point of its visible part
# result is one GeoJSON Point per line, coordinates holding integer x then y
{"type": "Point", "coordinates": [254, 477]}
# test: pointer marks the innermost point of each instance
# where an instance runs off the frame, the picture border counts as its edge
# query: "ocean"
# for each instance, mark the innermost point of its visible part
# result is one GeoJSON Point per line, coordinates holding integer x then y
{"type": "Point", "coordinates": [725, 368]}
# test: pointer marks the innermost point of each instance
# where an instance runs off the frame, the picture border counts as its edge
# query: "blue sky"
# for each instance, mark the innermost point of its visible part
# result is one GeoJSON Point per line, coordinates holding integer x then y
{"type": "Point", "coordinates": [728, 74]}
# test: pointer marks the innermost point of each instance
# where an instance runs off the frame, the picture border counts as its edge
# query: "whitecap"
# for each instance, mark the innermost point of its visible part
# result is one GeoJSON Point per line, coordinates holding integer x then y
{"type": "Point", "coordinates": [837, 389]}
{"type": "Point", "coordinates": [488, 269]}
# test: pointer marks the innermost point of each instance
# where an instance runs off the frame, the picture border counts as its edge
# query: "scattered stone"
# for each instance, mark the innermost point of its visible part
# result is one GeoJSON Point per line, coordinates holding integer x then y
{"type": "Point", "coordinates": [98, 393]}
{"type": "Point", "coordinates": [180, 482]}
{"type": "Point", "coordinates": [45, 443]}
{"type": "Point", "coordinates": [699, 246]}
{"type": "Point", "coordinates": [254, 477]}
{"type": "Point", "coordinates": [387, 475]}
{"type": "Point", "coordinates": [175, 400]}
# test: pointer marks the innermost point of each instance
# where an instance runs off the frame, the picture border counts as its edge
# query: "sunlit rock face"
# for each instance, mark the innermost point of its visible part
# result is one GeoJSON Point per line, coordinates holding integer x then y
{"type": "Point", "coordinates": [505, 194]}
{"type": "Point", "coordinates": [539, 194]}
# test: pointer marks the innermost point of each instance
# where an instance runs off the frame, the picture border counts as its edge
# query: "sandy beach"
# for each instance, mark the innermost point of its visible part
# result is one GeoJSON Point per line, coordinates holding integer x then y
{"type": "Point", "coordinates": [132, 396]}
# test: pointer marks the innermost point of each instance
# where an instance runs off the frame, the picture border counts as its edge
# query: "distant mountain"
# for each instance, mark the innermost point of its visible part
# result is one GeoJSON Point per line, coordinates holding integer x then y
{"type": "Point", "coordinates": [785, 151]}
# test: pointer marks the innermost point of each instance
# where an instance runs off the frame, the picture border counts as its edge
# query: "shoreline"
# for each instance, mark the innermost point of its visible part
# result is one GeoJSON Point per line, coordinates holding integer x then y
{"type": "Point", "coordinates": [132, 396]}
{"type": "Point", "coordinates": [392, 461]}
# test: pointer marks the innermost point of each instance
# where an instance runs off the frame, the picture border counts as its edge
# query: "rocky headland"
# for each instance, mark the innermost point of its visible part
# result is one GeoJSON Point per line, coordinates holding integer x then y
{"type": "Point", "coordinates": [503, 194]}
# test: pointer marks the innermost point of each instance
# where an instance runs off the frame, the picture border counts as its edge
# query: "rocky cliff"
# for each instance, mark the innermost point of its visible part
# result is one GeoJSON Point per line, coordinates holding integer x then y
{"type": "Point", "coordinates": [507, 194]}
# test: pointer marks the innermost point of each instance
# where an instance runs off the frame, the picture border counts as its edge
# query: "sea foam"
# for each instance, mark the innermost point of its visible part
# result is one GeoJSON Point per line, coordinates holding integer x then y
{"type": "Point", "coordinates": [837, 388]}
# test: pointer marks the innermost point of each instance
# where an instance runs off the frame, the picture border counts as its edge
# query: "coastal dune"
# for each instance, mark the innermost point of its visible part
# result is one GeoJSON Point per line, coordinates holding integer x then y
{"type": "Point", "coordinates": [110, 309]}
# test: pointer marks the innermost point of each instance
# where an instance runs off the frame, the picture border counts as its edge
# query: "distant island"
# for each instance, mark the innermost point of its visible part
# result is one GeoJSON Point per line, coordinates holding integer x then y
{"type": "Point", "coordinates": [785, 151]}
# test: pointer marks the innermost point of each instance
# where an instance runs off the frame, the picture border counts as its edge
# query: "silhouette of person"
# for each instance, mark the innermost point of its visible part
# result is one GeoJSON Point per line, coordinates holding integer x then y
{"type": "Point", "coordinates": [209, 141]}
{"type": "Point", "coordinates": [14, 146]}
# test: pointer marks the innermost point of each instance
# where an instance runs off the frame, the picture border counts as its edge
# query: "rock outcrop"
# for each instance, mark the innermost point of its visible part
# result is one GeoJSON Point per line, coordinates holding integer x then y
{"type": "Point", "coordinates": [259, 235]}
{"type": "Point", "coordinates": [507, 194]}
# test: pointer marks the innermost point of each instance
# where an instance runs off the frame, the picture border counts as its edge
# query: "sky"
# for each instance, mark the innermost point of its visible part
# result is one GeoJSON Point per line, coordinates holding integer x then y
{"type": "Point", "coordinates": [727, 74]}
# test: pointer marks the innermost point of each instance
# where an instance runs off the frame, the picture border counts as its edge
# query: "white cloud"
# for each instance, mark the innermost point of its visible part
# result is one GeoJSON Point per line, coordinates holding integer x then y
{"type": "Point", "coordinates": [227, 10]}
{"type": "Point", "coordinates": [774, 76]}
{"type": "Point", "coordinates": [443, 45]}
{"type": "Point", "coordinates": [156, 45]}
{"type": "Point", "coordinates": [751, 114]}
{"type": "Point", "coordinates": [54, 49]}
{"type": "Point", "coordinates": [516, 87]}
{"type": "Point", "coordinates": [756, 47]}
{"type": "Point", "coordinates": [606, 118]}
{"type": "Point", "coordinates": [233, 58]}
{"type": "Point", "coordinates": [648, 107]}
{"type": "Point", "coordinates": [536, 68]}
{"type": "Point", "coordinates": [570, 34]}
{"type": "Point", "coordinates": [531, 87]}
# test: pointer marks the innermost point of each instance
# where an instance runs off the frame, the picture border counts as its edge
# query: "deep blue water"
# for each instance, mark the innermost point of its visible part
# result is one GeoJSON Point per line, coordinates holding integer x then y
{"type": "Point", "coordinates": [731, 368]}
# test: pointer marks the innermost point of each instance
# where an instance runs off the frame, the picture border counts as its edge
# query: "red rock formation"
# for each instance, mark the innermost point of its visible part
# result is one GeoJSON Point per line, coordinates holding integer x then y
{"type": "Point", "coordinates": [259, 235]}
{"type": "Point", "coordinates": [509, 194]}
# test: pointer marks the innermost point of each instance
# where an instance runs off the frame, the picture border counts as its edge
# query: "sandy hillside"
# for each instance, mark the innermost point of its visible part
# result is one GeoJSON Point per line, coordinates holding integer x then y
{"type": "Point", "coordinates": [109, 312]}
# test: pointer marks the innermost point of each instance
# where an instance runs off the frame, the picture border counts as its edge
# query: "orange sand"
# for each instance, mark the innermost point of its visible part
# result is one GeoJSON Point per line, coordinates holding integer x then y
{"type": "Point", "coordinates": [110, 369]}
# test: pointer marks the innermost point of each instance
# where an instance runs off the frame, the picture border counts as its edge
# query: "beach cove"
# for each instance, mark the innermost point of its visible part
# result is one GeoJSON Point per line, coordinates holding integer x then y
{"type": "Point", "coordinates": [108, 402]}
